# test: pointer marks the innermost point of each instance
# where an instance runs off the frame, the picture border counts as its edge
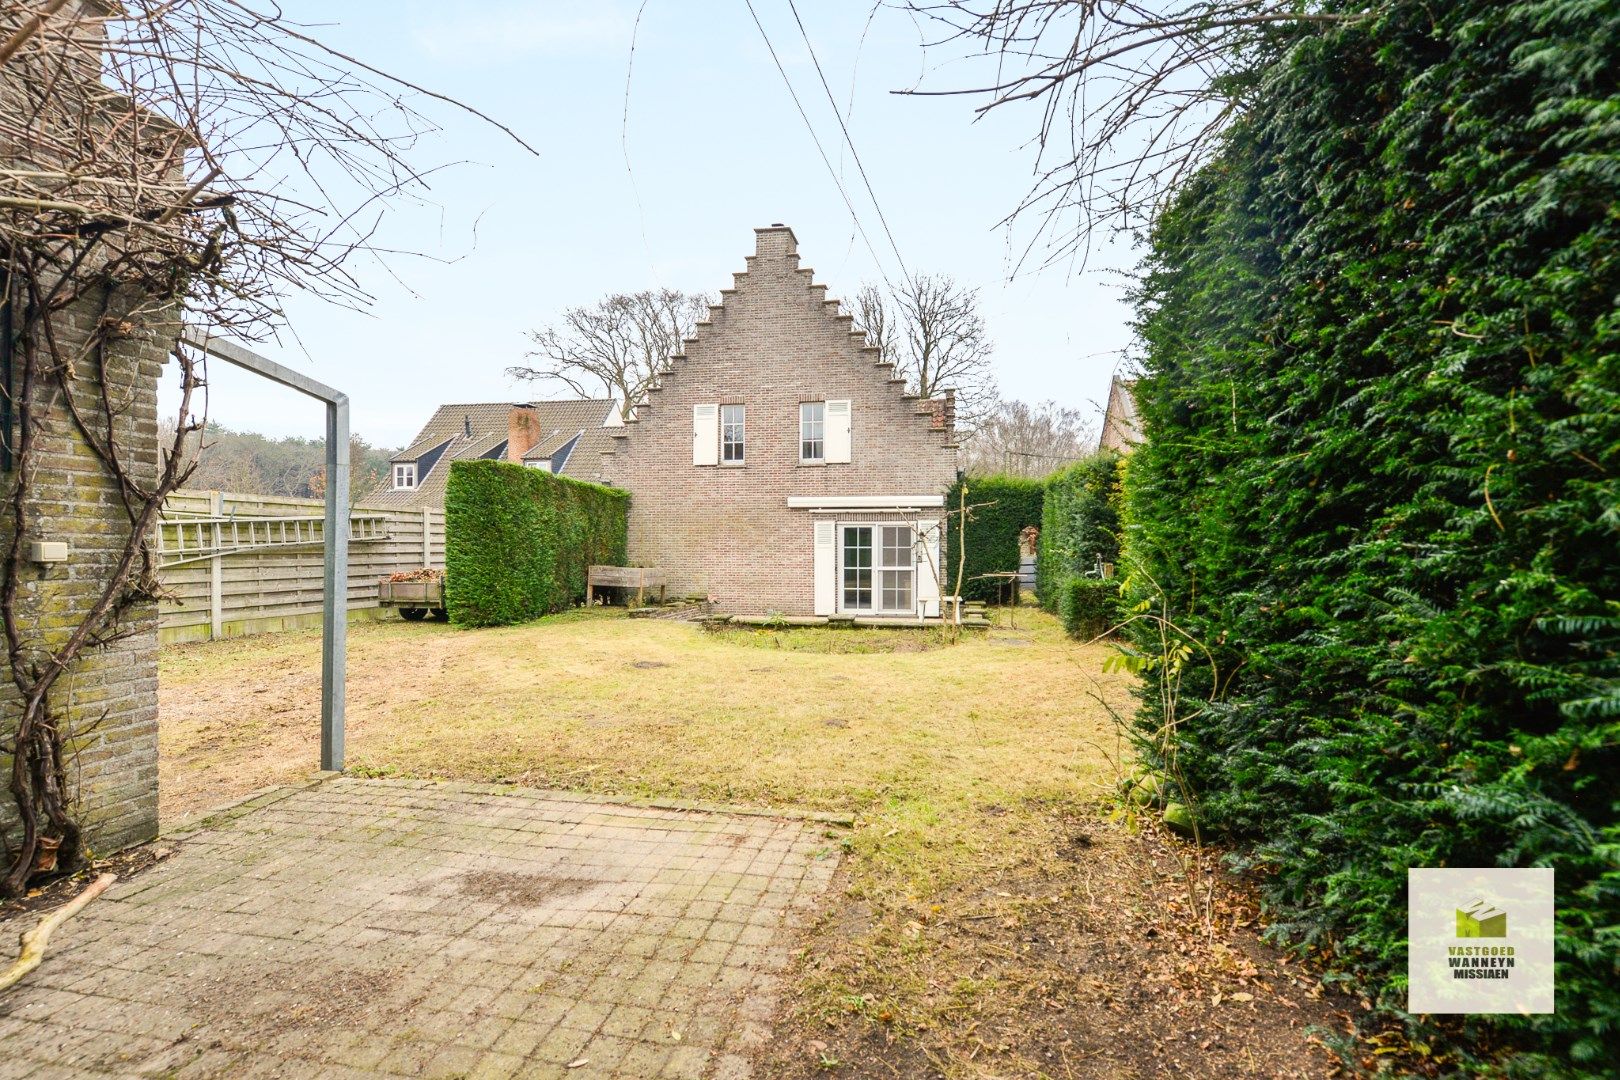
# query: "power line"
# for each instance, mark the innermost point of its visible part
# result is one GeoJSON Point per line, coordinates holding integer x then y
{"type": "Point", "coordinates": [848, 141]}
{"type": "Point", "coordinates": [624, 143]}
{"type": "Point", "coordinates": [825, 160]}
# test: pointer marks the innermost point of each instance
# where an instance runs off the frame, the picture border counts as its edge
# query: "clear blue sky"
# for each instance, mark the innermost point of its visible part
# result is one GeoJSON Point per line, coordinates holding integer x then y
{"type": "Point", "coordinates": [716, 147]}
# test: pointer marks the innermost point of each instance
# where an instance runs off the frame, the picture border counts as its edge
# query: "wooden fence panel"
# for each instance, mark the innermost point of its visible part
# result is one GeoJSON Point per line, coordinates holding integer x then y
{"type": "Point", "coordinates": [277, 587]}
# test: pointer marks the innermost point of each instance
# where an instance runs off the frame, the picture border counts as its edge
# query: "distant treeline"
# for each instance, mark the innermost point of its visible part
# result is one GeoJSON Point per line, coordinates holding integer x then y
{"type": "Point", "coordinates": [255, 464]}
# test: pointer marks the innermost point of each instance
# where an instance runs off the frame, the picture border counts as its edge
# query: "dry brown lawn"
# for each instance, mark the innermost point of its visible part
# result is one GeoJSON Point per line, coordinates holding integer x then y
{"type": "Point", "coordinates": [992, 920]}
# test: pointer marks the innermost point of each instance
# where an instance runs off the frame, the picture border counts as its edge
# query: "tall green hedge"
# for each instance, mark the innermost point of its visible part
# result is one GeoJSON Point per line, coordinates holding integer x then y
{"type": "Point", "coordinates": [1382, 481]}
{"type": "Point", "coordinates": [1079, 524]}
{"type": "Point", "coordinates": [518, 540]}
{"type": "Point", "coordinates": [1001, 507]}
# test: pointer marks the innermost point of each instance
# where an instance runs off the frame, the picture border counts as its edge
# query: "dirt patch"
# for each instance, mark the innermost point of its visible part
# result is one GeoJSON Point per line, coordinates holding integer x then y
{"type": "Point", "coordinates": [521, 890]}
{"type": "Point", "coordinates": [1085, 964]}
{"type": "Point", "coordinates": [243, 1010]}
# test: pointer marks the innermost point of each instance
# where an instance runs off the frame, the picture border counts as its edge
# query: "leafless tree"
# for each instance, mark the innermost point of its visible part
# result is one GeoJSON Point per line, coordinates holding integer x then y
{"type": "Point", "coordinates": [621, 345]}
{"type": "Point", "coordinates": [1132, 96]}
{"type": "Point", "coordinates": [159, 160]}
{"type": "Point", "coordinates": [1028, 440]}
{"type": "Point", "coordinates": [930, 328]}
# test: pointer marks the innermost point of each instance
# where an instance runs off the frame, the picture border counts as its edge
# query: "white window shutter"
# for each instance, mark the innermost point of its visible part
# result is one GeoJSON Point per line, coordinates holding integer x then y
{"type": "Point", "coordinates": [838, 431]}
{"type": "Point", "coordinates": [929, 569]}
{"type": "Point", "coordinates": [826, 568]}
{"type": "Point", "coordinates": [706, 434]}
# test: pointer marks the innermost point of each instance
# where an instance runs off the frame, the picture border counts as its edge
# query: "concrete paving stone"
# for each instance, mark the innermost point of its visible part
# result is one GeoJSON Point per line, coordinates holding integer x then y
{"type": "Point", "coordinates": [361, 929]}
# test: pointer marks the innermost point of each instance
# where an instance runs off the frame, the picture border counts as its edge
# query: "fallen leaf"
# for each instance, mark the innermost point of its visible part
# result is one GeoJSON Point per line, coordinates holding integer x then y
{"type": "Point", "coordinates": [1241, 996]}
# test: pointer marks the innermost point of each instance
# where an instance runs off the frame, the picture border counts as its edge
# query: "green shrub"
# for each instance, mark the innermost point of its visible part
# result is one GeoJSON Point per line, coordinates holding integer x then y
{"type": "Point", "coordinates": [1079, 524]}
{"type": "Point", "coordinates": [1381, 396]}
{"type": "Point", "coordinates": [518, 540]}
{"type": "Point", "coordinates": [1088, 607]}
{"type": "Point", "coordinates": [1006, 505]}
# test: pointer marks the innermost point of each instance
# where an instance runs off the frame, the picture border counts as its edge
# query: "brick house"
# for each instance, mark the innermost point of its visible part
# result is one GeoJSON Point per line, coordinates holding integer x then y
{"type": "Point", "coordinates": [1121, 427]}
{"type": "Point", "coordinates": [779, 466]}
{"type": "Point", "coordinates": [565, 437]}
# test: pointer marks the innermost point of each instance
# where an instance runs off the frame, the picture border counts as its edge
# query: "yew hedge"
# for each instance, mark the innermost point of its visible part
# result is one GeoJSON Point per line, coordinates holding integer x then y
{"type": "Point", "coordinates": [518, 540]}
{"type": "Point", "coordinates": [999, 509]}
{"type": "Point", "coordinates": [1381, 394]}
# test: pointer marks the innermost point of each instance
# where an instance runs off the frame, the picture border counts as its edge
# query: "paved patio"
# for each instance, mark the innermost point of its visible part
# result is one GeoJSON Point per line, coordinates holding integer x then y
{"type": "Point", "coordinates": [362, 928]}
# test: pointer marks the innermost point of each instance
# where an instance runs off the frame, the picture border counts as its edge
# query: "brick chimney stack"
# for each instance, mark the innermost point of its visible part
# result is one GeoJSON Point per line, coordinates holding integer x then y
{"type": "Point", "coordinates": [522, 432]}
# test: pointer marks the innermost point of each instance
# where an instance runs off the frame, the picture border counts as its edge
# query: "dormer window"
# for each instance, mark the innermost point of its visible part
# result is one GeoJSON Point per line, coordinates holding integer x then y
{"type": "Point", "coordinates": [404, 476]}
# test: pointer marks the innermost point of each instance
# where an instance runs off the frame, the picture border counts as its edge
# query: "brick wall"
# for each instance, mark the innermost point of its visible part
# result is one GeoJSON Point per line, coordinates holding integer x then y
{"type": "Point", "coordinates": [773, 342]}
{"type": "Point", "coordinates": [107, 703]}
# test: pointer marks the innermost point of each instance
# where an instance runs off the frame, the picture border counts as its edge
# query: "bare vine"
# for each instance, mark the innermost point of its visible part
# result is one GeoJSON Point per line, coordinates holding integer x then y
{"type": "Point", "coordinates": [1132, 97]}
{"type": "Point", "coordinates": [160, 161]}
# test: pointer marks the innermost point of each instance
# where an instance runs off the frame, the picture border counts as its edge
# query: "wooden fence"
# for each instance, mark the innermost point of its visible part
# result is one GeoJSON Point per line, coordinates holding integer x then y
{"type": "Point", "coordinates": [247, 564]}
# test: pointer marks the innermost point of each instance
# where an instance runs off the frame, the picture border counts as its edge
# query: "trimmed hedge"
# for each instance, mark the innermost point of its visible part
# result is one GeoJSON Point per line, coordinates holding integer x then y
{"type": "Point", "coordinates": [517, 540]}
{"type": "Point", "coordinates": [1006, 505]}
{"type": "Point", "coordinates": [1381, 395]}
{"type": "Point", "coordinates": [1088, 607]}
{"type": "Point", "coordinates": [1079, 525]}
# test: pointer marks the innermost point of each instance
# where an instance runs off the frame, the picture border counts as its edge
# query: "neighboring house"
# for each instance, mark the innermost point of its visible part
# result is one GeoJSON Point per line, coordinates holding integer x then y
{"type": "Point", "coordinates": [1121, 428]}
{"type": "Point", "coordinates": [779, 466]}
{"type": "Point", "coordinates": [566, 437]}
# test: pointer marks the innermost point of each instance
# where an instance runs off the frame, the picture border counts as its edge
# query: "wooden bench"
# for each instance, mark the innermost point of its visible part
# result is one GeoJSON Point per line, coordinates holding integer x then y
{"type": "Point", "coordinates": [639, 578]}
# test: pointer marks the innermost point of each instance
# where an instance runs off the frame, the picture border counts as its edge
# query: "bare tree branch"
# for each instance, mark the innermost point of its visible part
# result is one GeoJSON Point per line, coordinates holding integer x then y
{"type": "Point", "coordinates": [620, 346]}
{"type": "Point", "coordinates": [1028, 440]}
{"type": "Point", "coordinates": [929, 327]}
{"type": "Point", "coordinates": [1132, 96]}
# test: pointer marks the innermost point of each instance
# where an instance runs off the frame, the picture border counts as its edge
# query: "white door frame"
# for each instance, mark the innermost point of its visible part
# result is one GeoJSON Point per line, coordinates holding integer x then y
{"type": "Point", "coordinates": [877, 568]}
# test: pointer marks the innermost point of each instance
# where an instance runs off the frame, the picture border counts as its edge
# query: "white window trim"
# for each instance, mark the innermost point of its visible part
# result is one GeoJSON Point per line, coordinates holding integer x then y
{"type": "Point", "coordinates": [877, 610]}
{"type": "Point", "coordinates": [742, 441]}
{"type": "Point", "coordinates": [406, 470]}
{"type": "Point", "coordinates": [821, 458]}
{"type": "Point", "coordinates": [862, 502]}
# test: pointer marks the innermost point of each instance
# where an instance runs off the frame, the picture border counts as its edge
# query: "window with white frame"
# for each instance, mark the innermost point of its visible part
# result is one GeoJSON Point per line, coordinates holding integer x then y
{"type": "Point", "coordinates": [404, 476]}
{"type": "Point", "coordinates": [878, 568]}
{"type": "Point", "coordinates": [896, 566]}
{"type": "Point", "coordinates": [733, 433]}
{"type": "Point", "coordinates": [813, 431]}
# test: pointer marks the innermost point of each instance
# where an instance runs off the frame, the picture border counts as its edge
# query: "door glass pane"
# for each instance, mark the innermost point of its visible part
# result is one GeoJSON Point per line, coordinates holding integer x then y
{"type": "Point", "coordinates": [897, 546]}
{"type": "Point", "coordinates": [857, 567]}
{"type": "Point", "coordinates": [896, 590]}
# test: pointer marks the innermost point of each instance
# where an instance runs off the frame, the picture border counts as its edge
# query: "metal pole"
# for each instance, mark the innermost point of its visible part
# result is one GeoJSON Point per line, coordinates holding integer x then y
{"type": "Point", "coordinates": [335, 605]}
{"type": "Point", "coordinates": [335, 618]}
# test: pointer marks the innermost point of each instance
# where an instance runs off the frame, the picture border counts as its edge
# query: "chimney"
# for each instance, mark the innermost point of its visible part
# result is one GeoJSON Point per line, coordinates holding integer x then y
{"type": "Point", "coordinates": [942, 412]}
{"type": "Point", "coordinates": [522, 432]}
{"type": "Point", "coordinates": [776, 242]}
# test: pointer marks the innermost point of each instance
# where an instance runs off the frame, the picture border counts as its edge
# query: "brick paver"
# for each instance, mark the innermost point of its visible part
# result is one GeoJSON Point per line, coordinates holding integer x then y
{"type": "Point", "coordinates": [360, 928]}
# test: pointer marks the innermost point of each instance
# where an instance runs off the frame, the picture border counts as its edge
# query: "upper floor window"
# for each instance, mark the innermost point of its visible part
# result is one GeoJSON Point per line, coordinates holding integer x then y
{"type": "Point", "coordinates": [404, 476]}
{"type": "Point", "coordinates": [813, 431]}
{"type": "Point", "coordinates": [733, 435]}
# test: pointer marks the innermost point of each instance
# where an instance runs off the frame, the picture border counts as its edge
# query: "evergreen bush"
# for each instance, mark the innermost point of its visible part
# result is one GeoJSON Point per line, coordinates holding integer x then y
{"type": "Point", "coordinates": [1381, 396]}
{"type": "Point", "coordinates": [1003, 507]}
{"type": "Point", "coordinates": [1079, 524]}
{"type": "Point", "coordinates": [518, 540]}
{"type": "Point", "coordinates": [1088, 606]}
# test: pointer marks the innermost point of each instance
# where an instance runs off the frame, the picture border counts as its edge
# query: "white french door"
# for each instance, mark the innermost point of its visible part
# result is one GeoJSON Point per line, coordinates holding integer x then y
{"type": "Point", "coordinates": [877, 569]}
